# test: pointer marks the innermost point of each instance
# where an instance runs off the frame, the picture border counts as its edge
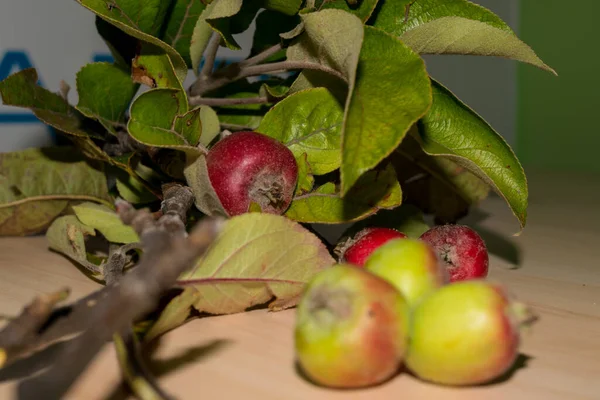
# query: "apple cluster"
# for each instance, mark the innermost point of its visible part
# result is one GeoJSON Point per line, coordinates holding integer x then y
{"type": "Point", "coordinates": [422, 303]}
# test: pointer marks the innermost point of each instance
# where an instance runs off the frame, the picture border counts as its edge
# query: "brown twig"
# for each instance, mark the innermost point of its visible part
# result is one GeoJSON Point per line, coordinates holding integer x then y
{"type": "Point", "coordinates": [216, 102]}
{"type": "Point", "coordinates": [21, 330]}
{"type": "Point", "coordinates": [235, 71]}
{"type": "Point", "coordinates": [168, 253]}
{"type": "Point", "coordinates": [210, 55]}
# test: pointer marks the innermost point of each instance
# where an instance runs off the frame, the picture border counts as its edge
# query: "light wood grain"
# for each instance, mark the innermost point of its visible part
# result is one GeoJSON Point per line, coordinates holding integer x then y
{"type": "Point", "coordinates": [250, 356]}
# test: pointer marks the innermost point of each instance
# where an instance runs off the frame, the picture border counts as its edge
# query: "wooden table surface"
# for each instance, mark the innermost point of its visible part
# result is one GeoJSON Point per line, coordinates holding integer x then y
{"type": "Point", "coordinates": [553, 266]}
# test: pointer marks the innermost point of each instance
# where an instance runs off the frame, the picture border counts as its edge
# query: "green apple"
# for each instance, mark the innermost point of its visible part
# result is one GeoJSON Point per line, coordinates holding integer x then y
{"type": "Point", "coordinates": [351, 328]}
{"type": "Point", "coordinates": [466, 333]}
{"type": "Point", "coordinates": [411, 265]}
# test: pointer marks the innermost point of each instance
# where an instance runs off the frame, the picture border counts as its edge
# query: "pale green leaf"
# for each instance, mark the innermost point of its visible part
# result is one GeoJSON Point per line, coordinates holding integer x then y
{"type": "Point", "coordinates": [375, 190]}
{"type": "Point", "coordinates": [229, 17]}
{"type": "Point", "coordinates": [399, 16]}
{"type": "Point", "coordinates": [37, 184]}
{"type": "Point", "coordinates": [174, 314]}
{"type": "Point", "coordinates": [454, 131]}
{"type": "Point", "coordinates": [308, 122]}
{"type": "Point", "coordinates": [455, 35]}
{"type": "Point", "coordinates": [140, 19]}
{"type": "Point", "coordinates": [210, 125]}
{"type": "Point", "coordinates": [306, 179]}
{"type": "Point", "coordinates": [392, 91]}
{"type": "Point", "coordinates": [21, 89]}
{"type": "Point", "coordinates": [180, 26]}
{"type": "Point", "coordinates": [196, 177]}
{"type": "Point", "coordinates": [332, 38]}
{"type": "Point", "coordinates": [106, 221]}
{"type": "Point", "coordinates": [105, 91]}
{"type": "Point", "coordinates": [256, 257]}
{"type": "Point", "coordinates": [67, 235]}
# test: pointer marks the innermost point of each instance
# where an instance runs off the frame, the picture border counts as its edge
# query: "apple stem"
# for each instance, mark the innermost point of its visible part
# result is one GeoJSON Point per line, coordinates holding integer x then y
{"type": "Point", "coordinates": [525, 317]}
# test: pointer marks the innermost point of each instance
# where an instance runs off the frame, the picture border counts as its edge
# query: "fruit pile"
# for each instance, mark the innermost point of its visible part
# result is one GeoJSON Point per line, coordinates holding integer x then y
{"type": "Point", "coordinates": [423, 303]}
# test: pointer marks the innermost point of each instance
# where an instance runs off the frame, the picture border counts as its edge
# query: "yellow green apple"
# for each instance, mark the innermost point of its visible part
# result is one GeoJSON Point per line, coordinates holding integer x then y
{"type": "Point", "coordinates": [411, 265]}
{"type": "Point", "coordinates": [466, 333]}
{"type": "Point", "coordinates": [351, 328]}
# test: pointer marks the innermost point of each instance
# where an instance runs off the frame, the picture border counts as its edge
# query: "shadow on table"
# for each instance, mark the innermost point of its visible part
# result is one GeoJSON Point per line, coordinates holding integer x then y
{"type": "Point", "coordinates": [161, 367]}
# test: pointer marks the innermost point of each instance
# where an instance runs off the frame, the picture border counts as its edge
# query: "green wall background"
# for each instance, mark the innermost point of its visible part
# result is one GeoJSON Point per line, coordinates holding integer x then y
{"type": "Point", "coordinates": [558, 117]}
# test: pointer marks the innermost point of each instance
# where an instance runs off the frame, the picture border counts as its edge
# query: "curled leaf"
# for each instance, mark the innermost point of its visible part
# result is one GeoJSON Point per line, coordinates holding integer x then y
{"type": "Point", "coordinates": [106, 221]}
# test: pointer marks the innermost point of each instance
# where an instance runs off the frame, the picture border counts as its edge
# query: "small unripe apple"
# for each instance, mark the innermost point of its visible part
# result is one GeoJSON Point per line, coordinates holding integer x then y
{"type": "Point", "coordinates": [351, 328]}
{"type": "Point", "coordinates": [356, 249]}
{"type": "Point", "coordinates": [249, 167]}
{"type": "Point", "coordinates": [461, 250]}
{"type": "Point", "coordinates": [466, 333]}
{"type": "Point", "coordinates": [410, 265]}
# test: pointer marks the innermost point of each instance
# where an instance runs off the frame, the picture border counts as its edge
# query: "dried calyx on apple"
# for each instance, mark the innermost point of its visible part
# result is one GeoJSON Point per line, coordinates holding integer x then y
{"type": "Point", "coordinates": [248, 169]}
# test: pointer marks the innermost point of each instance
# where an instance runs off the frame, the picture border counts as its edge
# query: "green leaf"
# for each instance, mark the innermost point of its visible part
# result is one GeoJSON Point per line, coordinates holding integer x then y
{"type": "Point", "coordinates": [454, 35]}
{"type": "Point", "coordinates": [154, 68]}
{"type": "Point", "coordinates": [306, 180]}
{"type": "Point", "coordinates": [105, 91]}
{"type": "Point", "coordinates": [174, 314]}
{"type": "Point", "coordinates": [180, 26]}
{"type": "Point", "coordinates": [140, 19]}
{"type": "Point", "coordinates": [106, 221]}
{"type": "Point", "coordinates": [400, 16]}
{"type": "Point", "coordinates": [21, 90]}
{"type": "Point", "coordinates": [454, 131]}
{"type": "Point", "coordinates": [436, 185]}
{"type": "Point", "coordinates": [363, 10]}
{"type": "Point", "coordinates": [200, 38]}
{"type": "Point", "coordinates": [255, 258]}
{"type": "Point", "coordinates": [210, 125]}
{"type": "Point", "coordinates": [131, 189]}
{"type": "Point", "coordinates": [37, 184]}
{"type": "Point", "coordinates": [230, 17]}
{"type": "Point", "coordinates": [289, 7]}
{"type": "Point", "coordinates": [67, 235]}
{"type": "Point", "coordinates": [332, 38]}
{"type": "Point", "coordinates": [167, 128]}
{"type": "Point", "coordinates": [375, 190]}
{"type": "Point", "coordinates": [392, 91]}
{"type": "Point", "coordinates": [269, 25]}
{"type": "Point", "coordinates": [308, 122]}
{"type": "Point", "coordinates": [121, 45]}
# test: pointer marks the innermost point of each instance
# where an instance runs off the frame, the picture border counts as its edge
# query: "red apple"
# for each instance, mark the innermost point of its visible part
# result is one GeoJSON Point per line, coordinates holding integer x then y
{"type": "Point", "coordinates": [249, 167]}
{"type": "Point", "coordinates": [358, 248]}
{"type": "Point", "coordinates": [351, 328]}
{"type": "Point", "coordinates": [461, 249]}
{"type": "Point", "coordinates": [466, 333]}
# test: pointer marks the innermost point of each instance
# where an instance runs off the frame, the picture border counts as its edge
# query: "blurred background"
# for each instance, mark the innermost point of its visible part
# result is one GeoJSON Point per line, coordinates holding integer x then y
{"type": "Point", "coordinates": [549, 121]}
